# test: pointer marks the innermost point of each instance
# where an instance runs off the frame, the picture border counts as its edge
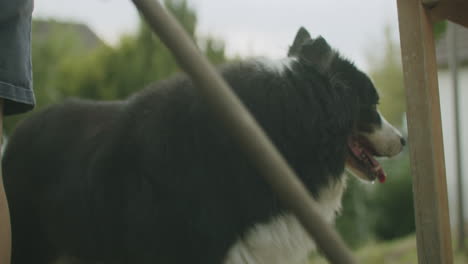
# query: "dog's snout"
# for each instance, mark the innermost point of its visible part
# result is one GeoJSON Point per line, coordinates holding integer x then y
{"type": "Point", "coordinates": [387, 140]}
{"type": "Point", "coordinates": [403, 141]}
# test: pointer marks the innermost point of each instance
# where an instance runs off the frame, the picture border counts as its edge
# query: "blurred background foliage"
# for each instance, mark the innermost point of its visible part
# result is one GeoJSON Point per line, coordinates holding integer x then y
{"type": "Point", "coordinates": [69, 60]}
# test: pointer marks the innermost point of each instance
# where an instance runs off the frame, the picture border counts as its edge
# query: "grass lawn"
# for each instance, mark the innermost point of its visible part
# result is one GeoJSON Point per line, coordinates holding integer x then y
{"type": "Point", "coordinates": [401, 251]}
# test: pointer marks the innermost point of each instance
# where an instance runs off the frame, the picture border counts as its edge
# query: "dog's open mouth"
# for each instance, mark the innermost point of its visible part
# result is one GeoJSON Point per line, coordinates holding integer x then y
{"type": "Point", "coordinates": [361, 160]}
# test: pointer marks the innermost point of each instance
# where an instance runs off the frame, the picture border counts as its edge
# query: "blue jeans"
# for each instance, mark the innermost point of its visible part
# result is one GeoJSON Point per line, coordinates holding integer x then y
{"type": "Point", "coordinates": [15, 56]}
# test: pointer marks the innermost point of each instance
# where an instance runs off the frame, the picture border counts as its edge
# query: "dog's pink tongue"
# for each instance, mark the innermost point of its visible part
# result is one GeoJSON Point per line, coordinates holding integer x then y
{"type": "Point", "coordinates": [381, 175]}
{"type": "Point", "coordinates": [376, 167]}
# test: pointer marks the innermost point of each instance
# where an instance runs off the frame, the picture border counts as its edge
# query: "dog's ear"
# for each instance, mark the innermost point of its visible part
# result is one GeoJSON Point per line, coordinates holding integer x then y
{"type": "Point", "coordinates": [302, 36]}
{"type": "Point", "coordinates": [317, 53]}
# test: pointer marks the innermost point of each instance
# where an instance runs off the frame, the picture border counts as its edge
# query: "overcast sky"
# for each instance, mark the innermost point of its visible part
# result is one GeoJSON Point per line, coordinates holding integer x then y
{"type": "Point", "coordinates": [251, 27]}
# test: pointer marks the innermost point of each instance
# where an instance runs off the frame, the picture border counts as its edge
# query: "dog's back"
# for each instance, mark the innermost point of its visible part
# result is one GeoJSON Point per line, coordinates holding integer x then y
{"type": "Point", "coordinates": [155, 179]}
{"type": "Point", "coordinates": [149, 180]}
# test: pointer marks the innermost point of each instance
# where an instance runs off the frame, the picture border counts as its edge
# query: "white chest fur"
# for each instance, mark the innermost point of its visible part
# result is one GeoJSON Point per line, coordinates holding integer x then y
{"type": "Point", "coordinates": [283, 239]}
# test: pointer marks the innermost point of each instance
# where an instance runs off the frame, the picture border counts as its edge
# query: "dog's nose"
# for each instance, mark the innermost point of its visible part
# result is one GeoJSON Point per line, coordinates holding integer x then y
{"type": "Point", "coordinates": [403, 141]}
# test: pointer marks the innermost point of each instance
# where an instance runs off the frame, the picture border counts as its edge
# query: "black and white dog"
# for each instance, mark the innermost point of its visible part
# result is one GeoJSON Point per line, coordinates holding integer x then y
{"type": "Point", "coordinates": [156, 179]}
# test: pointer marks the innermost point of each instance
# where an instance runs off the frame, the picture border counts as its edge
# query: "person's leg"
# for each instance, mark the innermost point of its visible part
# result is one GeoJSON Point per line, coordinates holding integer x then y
{"type": "Point", "coordinates": [5, 231]}
{"type": "Point", "coordinates": [16, 95]}
{"type": "Point", "coordinates": [15, 56]}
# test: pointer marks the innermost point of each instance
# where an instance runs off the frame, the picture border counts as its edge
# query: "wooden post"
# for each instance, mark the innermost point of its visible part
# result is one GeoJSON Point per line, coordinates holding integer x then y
{"type": "Point", "coordinates": [425, 133]}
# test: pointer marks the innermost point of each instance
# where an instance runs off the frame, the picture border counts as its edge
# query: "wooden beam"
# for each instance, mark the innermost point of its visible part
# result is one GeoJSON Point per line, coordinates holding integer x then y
{"type": "Point", "coordinates": [425, 134]}
{"type": "Point", "coordinates": [453, 10]}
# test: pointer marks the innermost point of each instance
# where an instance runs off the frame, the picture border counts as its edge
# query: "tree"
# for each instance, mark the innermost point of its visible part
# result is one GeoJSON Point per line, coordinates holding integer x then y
{"type": "Point", "coordinates": [115, 73]}
{"type": "Point", "coordinates": [54, 44]}
{"type": "Point", "coordinates": [63, 68]}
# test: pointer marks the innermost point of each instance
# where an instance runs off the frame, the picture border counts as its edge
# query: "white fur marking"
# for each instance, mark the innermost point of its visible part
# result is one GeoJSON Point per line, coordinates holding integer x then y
{"type": "Point", "coordinates": [278, 65]}
{"type": "Point", "coordinates": [386, 139]}
{"type": "Point", "coordinates": [283, 239]}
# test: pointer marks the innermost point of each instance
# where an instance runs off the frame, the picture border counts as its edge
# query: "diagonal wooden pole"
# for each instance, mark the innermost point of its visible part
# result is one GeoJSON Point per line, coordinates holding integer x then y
{"type": "Point", "coordinates": [244, 128]}
{"type": "Point", "coordinates": [425, 133]}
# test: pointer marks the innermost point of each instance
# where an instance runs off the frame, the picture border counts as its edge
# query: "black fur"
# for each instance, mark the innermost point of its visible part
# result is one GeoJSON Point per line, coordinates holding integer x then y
{"type": "Point", "coordinates": [156, 178]}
